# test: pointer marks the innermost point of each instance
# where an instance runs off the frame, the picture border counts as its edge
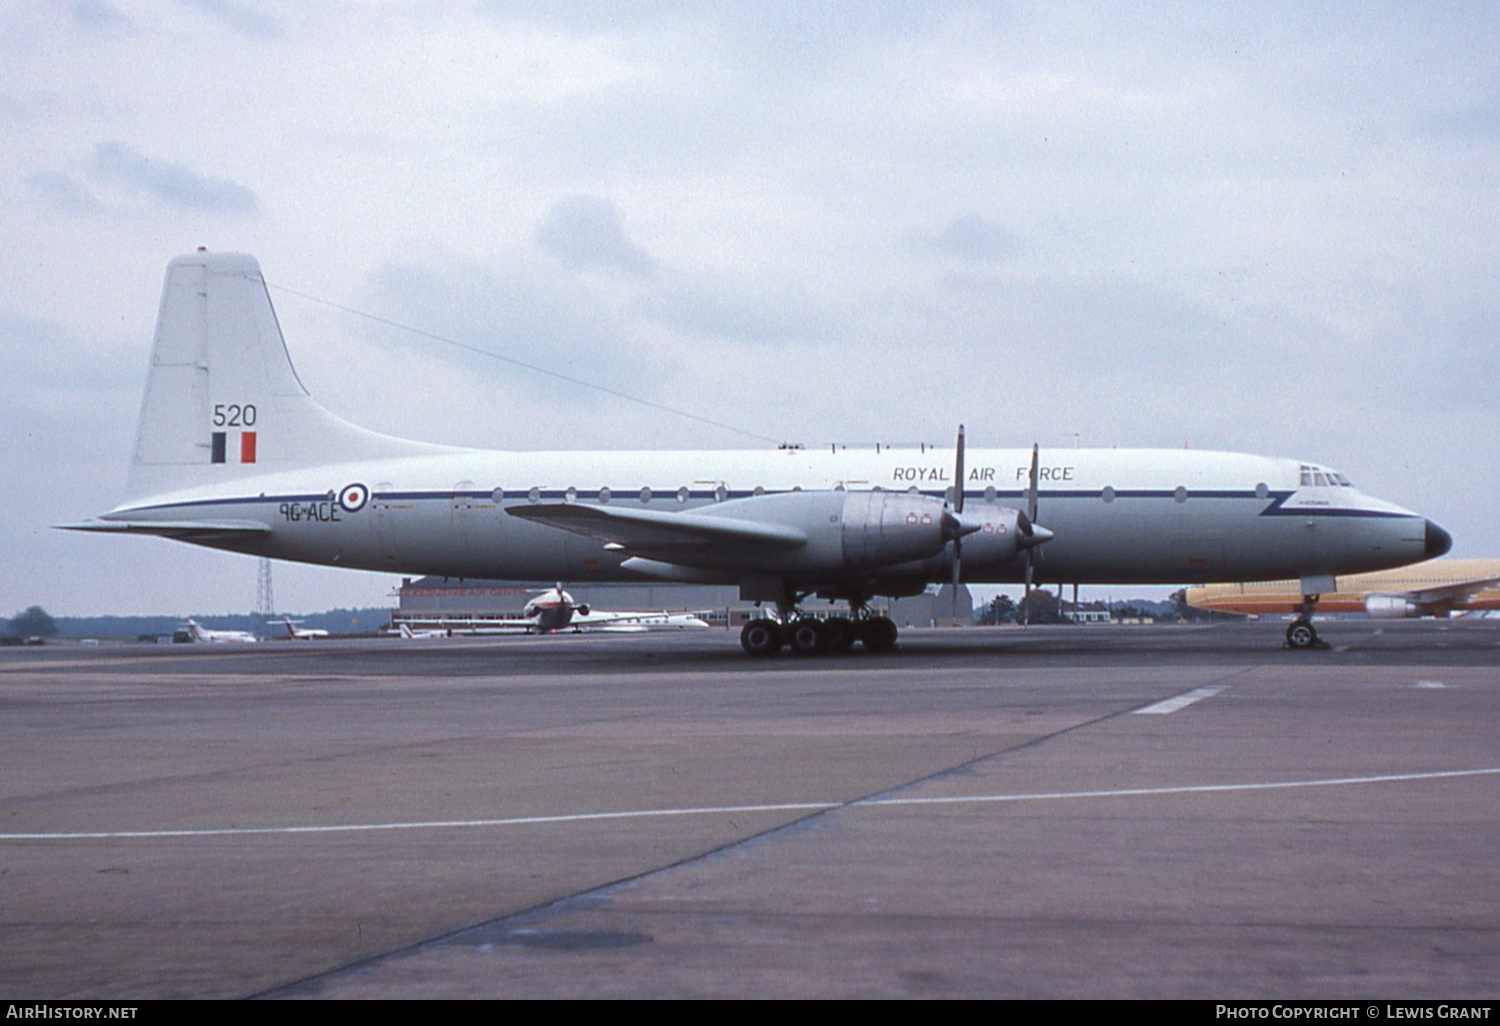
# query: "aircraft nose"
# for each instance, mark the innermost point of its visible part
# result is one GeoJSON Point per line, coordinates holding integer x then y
{"type": "Point", "coordinates": [1439, 541]}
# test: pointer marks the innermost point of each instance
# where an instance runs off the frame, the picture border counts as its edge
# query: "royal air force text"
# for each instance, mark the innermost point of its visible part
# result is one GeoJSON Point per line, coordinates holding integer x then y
{"type": "Point", "coordinates": [942, 475]}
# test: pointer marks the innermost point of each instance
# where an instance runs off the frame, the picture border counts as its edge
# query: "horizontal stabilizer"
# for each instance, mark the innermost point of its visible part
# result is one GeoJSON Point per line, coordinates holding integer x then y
{"type": "Point", "coordinates": [642, 530]}
{"type": "Point", "coordinates": [203, 531]}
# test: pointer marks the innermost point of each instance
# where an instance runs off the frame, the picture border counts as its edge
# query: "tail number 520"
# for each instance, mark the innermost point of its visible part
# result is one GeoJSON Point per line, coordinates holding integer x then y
{"type": "Point", "coordinates": [234, 415]}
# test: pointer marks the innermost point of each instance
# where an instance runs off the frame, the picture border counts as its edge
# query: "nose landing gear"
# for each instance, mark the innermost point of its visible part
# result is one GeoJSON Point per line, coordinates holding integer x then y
{"type": "Point", "coordinates": [1300, 633]}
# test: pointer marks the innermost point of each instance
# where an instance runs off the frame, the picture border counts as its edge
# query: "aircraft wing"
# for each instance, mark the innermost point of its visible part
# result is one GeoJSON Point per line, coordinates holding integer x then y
{"type": "Point", "coordinates": [642, 530]}
{"type": "Point", "coordinates": [1448, 594]}
{"type": "Point", "coordinates": [202, 531]}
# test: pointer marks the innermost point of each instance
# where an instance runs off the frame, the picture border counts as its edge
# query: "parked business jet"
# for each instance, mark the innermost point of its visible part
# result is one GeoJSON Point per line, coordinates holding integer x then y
{"type": "Point", "coordinates": [199, 633]}
{"type": "Point", "coordinates": [301, 633]}
{"type": "Point", "coordinates": [1438, 588]}
{"type": "Point", "coordinates": [554, 610]}
{"type": "Point", "coordinates": [233, 453]}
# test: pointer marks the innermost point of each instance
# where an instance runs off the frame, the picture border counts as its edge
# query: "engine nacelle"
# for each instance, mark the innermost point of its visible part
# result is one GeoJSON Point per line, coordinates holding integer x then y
{"type": "Point", "coordinates": [882, 528]}
{"type": "Point", "coordinates": [1390, 607]}
{"type": "Point", "coordinates": [842, 532]}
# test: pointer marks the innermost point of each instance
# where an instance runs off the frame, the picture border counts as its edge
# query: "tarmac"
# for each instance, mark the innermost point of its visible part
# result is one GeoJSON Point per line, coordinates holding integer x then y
{"type": "Point", "coordinates": [1089, 812]}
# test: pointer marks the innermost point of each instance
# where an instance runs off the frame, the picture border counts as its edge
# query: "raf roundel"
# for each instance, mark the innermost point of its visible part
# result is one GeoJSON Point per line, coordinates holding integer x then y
{"type": "Point", "coordinates": [353, 498]}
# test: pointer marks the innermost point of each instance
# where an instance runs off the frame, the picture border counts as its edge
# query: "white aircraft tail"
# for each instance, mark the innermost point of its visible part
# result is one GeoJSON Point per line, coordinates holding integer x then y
{"type": "Point", "coordinates": [223, 401]}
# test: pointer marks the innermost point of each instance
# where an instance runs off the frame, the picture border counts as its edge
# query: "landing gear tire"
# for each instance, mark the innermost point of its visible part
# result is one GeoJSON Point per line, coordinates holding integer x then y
{"type": "Point", "coordinates": [806, 637]}
{"type": "Point", "coordinates": [1301, 634]}
{"type": "Point", "coordinates": [762, 637]}
{"type": "Point", "coordinates": [841, 633]}
{"type": "Point", "coordinates": [879, 634]}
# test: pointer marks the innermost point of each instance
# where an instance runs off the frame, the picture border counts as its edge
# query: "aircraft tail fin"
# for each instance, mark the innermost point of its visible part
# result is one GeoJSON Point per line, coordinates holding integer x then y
{"type": "Point", "coordinates": [222, 400]}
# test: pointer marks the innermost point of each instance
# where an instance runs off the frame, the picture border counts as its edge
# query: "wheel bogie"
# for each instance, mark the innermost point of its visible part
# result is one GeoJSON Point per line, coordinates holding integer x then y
{"type": "Point", "coordinates": [879, 633]}
{"type": "Point", "coordinates": [806, 637]}
{"type": "Point", "coordinates": [842, 633]}
{"type": "Point", "coordinates": [762, 637]}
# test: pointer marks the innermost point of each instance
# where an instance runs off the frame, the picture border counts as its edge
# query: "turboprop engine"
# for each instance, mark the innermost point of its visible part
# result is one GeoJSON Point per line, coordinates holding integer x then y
{"type": "Point", "coordinates": [817, 532]}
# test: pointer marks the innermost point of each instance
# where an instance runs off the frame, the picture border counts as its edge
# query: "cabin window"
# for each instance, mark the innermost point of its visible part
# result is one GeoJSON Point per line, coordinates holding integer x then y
{"type": "Point", "coordinates": [721, 493]}
{"type": "Point", "coordinates": [646, 494]}
{"type": "Point", "coordinates": [682, 494]}
{"type": "Point", "coordinates": [1180, 494]}
{"type": "Point", "coordinates": [1108, 494]}
{"type": "Point", "coordinates": [989, 494]}
{"type": "Point", "coordinates": [498, 495]}
{"type": "Point", "coordinates": [534, 495]}
{"type": "Point", "coordinates": [571, 495]}
{"type": "Point", "coordinates": [759, 490]}
{"type": "Point", "coordinates": [604, 496]}
{"type": "Point", "coordinates": [1262, 491]}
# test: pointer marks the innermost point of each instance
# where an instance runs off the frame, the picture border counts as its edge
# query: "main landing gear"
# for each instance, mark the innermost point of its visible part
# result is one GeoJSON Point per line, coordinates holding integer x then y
{"type": "Point", "coordinates": [1301, 633]}
{"type": "Point", "coordinates": [808, 636]}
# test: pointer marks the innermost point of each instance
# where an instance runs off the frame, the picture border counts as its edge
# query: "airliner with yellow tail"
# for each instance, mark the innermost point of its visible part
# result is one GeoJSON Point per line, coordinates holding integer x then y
{"type": "Point", "coordinates": [1437, 587]}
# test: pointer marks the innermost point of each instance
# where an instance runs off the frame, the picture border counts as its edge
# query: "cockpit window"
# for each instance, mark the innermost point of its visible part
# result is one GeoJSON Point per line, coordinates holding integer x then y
{"type": "Point", "coordinates": [1322, 477]}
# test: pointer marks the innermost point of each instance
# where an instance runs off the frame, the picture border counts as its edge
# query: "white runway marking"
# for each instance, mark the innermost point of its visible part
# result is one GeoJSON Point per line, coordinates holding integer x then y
{"type": "Point", "coordinates": [584, 817]}
{"type": "Point", "coordinates": [1171, 705]}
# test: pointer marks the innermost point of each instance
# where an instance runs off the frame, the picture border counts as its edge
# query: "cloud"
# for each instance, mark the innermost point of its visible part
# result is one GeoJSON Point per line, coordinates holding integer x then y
{"type": "Point", "coordinates": [537, 325]}
{"type": "Point", "coordinates": [586, 233]}
{"type": "Point", "coordinates": [63, 192]}
{"type": "Point", "coordinates": [176, 185]}
{"type": "Point", "coordinates": [968, 237]}
{"type": "Point", "coordinates": [1479, 122]}
{"type": "Point", "coordinates": [244, 21]}
{"type": "Point", "coordinates": [101, 17]}
{"type": "Point", "coordinates": [735, 310]}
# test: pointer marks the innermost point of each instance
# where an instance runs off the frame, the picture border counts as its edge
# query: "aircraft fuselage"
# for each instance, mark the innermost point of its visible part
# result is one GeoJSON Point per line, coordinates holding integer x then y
{"type": "Point", "coordinates": [1119, 516]}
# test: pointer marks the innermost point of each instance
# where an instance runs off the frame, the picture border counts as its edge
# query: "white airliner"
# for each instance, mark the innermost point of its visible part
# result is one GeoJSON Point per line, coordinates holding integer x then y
{"type": "Point", "coordinates": [233, 453]}
{"type": "Point", "coordinates": [301, 633]}
{"type": "Point", "coordinates": [550, 612]}
{"type": "Point", "coordinates": [199, 633]}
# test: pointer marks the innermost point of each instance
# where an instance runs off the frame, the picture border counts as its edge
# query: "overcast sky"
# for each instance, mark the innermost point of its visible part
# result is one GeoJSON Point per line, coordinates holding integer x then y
{"type": "Point", "coordinates": [1268, 228]}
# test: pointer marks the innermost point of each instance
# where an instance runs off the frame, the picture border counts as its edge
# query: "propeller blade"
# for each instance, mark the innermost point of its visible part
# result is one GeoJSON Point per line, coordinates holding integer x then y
{"type": "Point", "coordinates": [1029, 524]}
{"type": "Point", "coordinates": [958, 508]}
{"type": "Point", "coordinates": [1032, 483]}
{"type": "Point", "coordinates": [958, 474]}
